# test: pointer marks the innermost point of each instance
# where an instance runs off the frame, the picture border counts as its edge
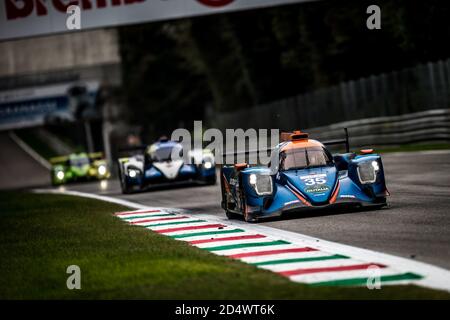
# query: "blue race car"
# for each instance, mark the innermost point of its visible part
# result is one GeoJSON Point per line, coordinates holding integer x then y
{"type": "Point", "coordinates": [156, 166]}
{"type": "Point", "coordinates": [303, 175]}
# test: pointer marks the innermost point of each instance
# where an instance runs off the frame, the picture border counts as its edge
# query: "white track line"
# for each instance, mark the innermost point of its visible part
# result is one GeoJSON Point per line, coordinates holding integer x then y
{"type": "Point", "coordinates": [312, 264]}
{"type": "Point", "coordinates": [172, 227]}
{"type": "Point", "coordinates": [218, 236]}
{"type": "Point", "coordinates": [231, 252]}
{"type": "Point", "coordinates": [233, 242]}
{"type": "Point", "coordinates": [434, 277]}
{"type": "Point", "coordinates": [284, 256]}
{"type": "Point", "coordinates": [341, 275]}
{"type": "Point", "coordinates": [25, 147]}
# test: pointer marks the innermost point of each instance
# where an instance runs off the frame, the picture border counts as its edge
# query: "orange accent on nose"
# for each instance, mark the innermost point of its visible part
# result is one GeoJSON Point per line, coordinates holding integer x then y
{"type": "Point", "coordinates": [335, 193]}
{"type": "Point", "coordinates": [227, 187]}
{"type": "Point", "coordinates": [366, 151]}
{"type": "Point", "coordinates": [303, 200]}
{"type": "Point", "coordinates": [240, 166]}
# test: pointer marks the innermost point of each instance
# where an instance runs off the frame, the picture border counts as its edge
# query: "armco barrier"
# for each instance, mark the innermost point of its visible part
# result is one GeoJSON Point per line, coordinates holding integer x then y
{"type": "Point", "coordinates": [432, 126]}
{"type": "Point", "coordinates": [418, 127]}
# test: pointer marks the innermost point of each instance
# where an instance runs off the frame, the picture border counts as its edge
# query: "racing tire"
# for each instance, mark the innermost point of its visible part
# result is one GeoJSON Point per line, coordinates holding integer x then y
{"type": "Point", "coordinates": [210, 180]}
{"type": "Point", "coordinates": [250, 217]}
{"type": "Point", "coordinates": [126, 189]}
{"type": "Point", "coordinates": [231, 215]}
{"type": "Point", "coordinates": [54, 184]}
{"type": "Point", "coordinates": [383, 203]}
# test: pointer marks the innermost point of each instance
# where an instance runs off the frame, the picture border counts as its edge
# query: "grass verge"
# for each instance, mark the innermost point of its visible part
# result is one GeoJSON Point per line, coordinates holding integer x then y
{"type": "Point", "coordinates": [41, 235]}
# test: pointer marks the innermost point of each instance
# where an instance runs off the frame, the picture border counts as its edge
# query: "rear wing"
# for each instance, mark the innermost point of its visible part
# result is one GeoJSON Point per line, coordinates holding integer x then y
{"type": "Point", "coordinates": [58, 160]}
{"type": "Point", "coordinates": [96, 156]}
{"type": "Point", "coordinates": [344, 141]}
{"type": "Point", "coordinates": [340, 141]}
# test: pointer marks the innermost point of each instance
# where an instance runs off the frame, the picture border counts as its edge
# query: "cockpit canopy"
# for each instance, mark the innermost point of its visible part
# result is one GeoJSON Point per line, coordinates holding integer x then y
{"type": "Point", "coordinates": [79, 160]}
{"type": "Point", "coordinates": [301, 158]}
{"type": "Point", "coordinates": [160, 152]}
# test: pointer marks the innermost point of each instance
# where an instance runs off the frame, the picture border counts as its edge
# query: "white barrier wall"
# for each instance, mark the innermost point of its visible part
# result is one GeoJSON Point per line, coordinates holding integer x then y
{"type": "Point", "coordinates": [58, 52]}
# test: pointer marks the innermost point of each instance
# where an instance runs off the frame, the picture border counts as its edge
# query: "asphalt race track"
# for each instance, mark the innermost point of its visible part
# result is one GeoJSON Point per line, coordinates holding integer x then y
{"type": "Point", "coordinates": [417, 224]}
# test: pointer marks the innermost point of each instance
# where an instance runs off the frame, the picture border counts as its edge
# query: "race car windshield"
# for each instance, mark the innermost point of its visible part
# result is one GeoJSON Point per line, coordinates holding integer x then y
{"type": "Point", "coordinates": [78, 162]}
{"type": "Point", "coordinates": [304, 158]}
{"type": "Point", "coordinates": [164, 153]}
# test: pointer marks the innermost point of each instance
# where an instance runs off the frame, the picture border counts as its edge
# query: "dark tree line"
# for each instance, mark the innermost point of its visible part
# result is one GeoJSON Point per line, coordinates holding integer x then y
{"type": "Point", "coordinates": [176, 71]}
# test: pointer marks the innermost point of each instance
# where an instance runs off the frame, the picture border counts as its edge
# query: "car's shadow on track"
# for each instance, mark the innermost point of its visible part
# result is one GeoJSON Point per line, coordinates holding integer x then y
{"type": "Point", "coordinates": [172, 186]}
{"type": "Point", "coordinates": [320, 213]}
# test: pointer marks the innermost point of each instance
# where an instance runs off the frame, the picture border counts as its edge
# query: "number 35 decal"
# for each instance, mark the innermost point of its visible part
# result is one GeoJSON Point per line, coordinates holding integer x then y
{"type": "Point", "coordinates": [313, 181]}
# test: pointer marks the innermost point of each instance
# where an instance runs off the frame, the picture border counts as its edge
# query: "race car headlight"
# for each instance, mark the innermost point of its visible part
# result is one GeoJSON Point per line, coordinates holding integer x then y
{"type": "Point", "coordinates": [132, 173]}
{"type": "Point", "coordinates": [261, 183]}
{"type": "Point", "coordinates": [375, 165]}
{"type": "Point", "coordinates": [367, 171]}
{"type": "Point", "coordinates": [208, 165]}
{"type": "Point", "coordinates": [60, 175]}
{"type": "Point", "coordinates": [102, 170]}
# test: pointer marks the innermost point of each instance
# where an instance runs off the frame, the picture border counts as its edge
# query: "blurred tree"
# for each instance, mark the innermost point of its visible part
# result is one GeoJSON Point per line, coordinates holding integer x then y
{"type": "Point", "coordinates": [173, 70]}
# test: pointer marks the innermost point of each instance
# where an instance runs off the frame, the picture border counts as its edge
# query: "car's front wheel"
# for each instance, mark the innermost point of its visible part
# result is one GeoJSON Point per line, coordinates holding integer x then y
{"type": "Point", "coordinates": [231, 215]}
{"type": "Point", "coordinates": [381, 203]}
{"type": "Point", "coordinates": [126, 189]}
{"type": "Point", "coordinates": [248, 216]}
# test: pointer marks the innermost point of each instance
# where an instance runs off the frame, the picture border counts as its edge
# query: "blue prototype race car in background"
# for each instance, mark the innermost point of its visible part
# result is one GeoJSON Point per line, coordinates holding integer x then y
{"type": "Point", "coordinates": [156, 166]}
{"type": "Point", "coordinates": [303, 175]}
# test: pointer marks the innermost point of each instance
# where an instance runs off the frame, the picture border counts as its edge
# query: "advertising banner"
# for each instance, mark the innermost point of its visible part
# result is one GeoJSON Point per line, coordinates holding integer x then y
{"type": "Point", "coordinates": [57, 103]}
{"type": "Point", "coordinates": [24, 18]}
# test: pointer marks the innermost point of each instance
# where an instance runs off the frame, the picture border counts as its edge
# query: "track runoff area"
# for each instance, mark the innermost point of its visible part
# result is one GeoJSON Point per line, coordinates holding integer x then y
{"type": "Point", "coordinates": [299, 257]}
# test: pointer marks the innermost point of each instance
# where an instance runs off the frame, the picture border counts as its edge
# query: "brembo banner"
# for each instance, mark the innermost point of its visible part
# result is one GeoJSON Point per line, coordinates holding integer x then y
{"type": "Point", "coordinates": [23, 18]}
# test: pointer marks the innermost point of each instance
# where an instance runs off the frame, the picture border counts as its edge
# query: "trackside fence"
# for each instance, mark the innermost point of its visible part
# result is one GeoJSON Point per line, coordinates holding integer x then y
{"type": "Point", "coordinates": [418, 127]}
{"type": "Point", "coordinates": [406, 106]}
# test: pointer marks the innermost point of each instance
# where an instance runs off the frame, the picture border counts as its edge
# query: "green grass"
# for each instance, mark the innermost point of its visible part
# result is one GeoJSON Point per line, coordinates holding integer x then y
{"type": "Point", "coordinates": [40, 235]}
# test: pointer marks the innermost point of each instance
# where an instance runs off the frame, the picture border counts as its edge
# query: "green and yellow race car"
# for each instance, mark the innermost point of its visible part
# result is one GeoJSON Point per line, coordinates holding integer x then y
{"type": "Point", "coordinates": [78, 167]}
